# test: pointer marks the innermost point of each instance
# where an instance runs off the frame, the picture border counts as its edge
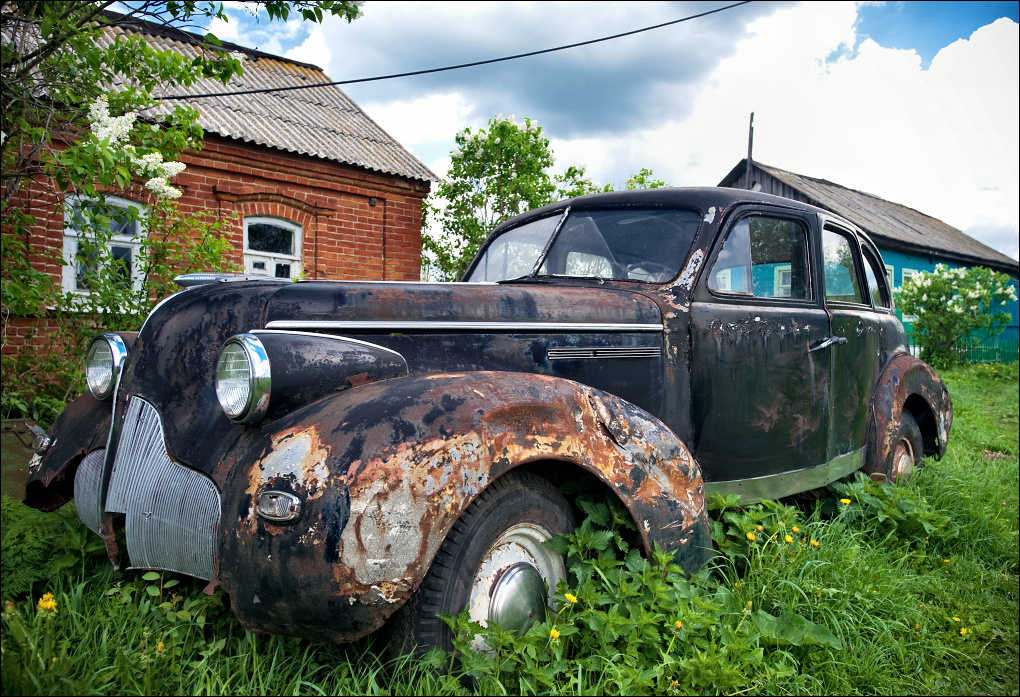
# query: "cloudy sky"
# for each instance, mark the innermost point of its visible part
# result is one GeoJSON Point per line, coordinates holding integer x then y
{"type": "Point", "coordinates": [916, 102]}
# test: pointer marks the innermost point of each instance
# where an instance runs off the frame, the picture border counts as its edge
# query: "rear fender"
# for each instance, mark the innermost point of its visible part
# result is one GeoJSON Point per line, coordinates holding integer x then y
{"type": "Point", "coordinates": [386, 469]}
{"type": "Point", "coordinates": [904, 380]}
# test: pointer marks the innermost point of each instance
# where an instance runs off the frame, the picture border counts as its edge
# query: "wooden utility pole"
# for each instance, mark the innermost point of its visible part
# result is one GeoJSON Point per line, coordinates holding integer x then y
{"type": "Point", "coordinates": [750, 144]}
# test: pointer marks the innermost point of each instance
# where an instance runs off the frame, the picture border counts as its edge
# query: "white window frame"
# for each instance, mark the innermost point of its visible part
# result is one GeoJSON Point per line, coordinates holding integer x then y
{"type": "Point", "coordinates": [69, 274]}
{"type": "Point", "coordinates": [252, 256]}
{"type": "Point", "coordinates": [890, 274]}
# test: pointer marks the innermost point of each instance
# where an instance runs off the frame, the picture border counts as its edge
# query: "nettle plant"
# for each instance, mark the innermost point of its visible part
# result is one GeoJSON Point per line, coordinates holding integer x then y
{"type": "Point", "coordinates": [951, 305]}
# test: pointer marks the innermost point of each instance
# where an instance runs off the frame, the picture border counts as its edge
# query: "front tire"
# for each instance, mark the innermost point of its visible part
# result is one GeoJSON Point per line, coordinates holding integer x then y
{"type": "Point", "coordinates": [493, 562]}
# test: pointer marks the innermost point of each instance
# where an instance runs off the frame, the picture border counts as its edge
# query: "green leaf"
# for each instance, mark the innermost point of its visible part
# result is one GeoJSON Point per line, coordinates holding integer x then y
{"type": "Point", "coordinates": [152, 576]}
{"type": "Point", "coordinates": [790, 629]}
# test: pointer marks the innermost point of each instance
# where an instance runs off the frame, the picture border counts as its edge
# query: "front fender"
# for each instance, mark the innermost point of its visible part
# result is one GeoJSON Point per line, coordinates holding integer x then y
{"type": "Point", "coordinates": [81, 428]}
{"type": "Point", "coordinates": [904, 379]}
{"type": "Point", "coordinates": [386, 469]}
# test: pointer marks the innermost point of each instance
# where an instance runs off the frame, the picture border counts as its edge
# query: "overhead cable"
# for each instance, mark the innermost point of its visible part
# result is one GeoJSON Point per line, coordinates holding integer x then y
{"type": "Point", "coordinates": [454, 67]}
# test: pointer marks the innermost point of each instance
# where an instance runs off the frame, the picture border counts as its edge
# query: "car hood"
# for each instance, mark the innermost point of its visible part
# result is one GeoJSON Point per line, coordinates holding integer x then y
{"type": "Point", "coordinates": [407, 304]}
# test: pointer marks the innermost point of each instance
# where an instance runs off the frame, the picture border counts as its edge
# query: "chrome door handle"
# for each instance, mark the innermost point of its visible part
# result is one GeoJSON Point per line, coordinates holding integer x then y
{"type": "Point", "coordinates": [827, 342]}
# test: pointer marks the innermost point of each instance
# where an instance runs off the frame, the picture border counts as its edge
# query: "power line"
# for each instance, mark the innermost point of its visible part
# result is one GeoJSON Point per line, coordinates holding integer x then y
{"type": "Point", "coordinates": [454, 67]}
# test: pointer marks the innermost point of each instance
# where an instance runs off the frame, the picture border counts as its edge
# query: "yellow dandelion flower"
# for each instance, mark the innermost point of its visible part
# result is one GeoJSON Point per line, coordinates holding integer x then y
{"type": "Point", "coordinates": [47, 603]}
{"type": "Point", "coordinates": [554, 634]}
{"type": "Point", "coordinates": [675, 684]}
{"type": "Point", "coordinates": [945, 561]}
{"type": "Point", "coordinates": [750, 536]}
{"type": "Point", "coordinates": [917, 626]}
{"type": "Point", "coordinates": [160, 646]}
{"type": "Point", "coordinates": [963, 630]}
{"type": "Point", "coordinates": [814, 543]}
{"type": "Point", "coordinates": [750, 603]}
{"type": "Point", "coordinates": [845, 502]}
{"type": "Point", "coordinates": [758, 528]}
{"type": "Point", "coordinates": [678, 624]}
{"type": "Point", "coordinates": [796, 529]}
{"type": "Point", "coordinates": [956, 619]}
{"type": "Point", "coordinates": [571, 598]}
{"type": "Point", "coordinates": [789, 539]}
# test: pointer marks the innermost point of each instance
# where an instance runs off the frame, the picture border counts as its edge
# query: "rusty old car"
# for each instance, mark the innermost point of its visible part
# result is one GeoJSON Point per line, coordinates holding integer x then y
{"type": "Point", "coordinates": [334, 453]}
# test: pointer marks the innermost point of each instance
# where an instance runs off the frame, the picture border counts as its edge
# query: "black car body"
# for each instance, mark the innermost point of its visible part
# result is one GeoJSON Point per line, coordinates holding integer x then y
{"type": "Point", "coordinates": [661, 344]}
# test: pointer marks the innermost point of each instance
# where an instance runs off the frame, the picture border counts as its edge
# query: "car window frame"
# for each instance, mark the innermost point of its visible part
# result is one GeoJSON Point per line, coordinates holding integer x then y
{"type": "Point", "coordinates": [735, 217]}
{"type": "Point", "coordinates": [883, 280]}
{"type": "Point", "coordinates": [855, 250]}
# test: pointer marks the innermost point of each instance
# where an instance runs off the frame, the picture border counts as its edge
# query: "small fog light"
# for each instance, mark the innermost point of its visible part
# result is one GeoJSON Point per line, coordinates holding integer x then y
{"type": "Point", "coordinates": [42, 443]}
{"type": "Point", "coordinates": [279, 506]}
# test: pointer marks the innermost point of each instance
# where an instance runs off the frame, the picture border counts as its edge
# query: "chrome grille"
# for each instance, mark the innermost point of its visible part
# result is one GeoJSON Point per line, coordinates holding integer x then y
{"type": "Point", "coordinates": [86, 488]}
{"type": "Point", "coordinates": [567, 353]}
{"type": "Point", "coordinates": [172, 513]}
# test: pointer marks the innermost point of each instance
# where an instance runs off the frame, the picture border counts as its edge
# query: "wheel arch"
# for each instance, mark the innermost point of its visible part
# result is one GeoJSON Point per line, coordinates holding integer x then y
{"type": "Point", "coordinates": [907, 383]}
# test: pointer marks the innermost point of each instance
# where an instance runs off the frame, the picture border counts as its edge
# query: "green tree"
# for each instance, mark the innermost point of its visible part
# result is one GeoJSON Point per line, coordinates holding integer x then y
{"type": "Point", "coordinates": [496, 173]}
{"type": "Point", "coordinates": [951, 305]}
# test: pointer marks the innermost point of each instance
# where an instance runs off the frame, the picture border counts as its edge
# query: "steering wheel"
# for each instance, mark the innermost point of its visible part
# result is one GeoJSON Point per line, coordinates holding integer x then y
{"type": "Point", "coordinates": [648, 271]}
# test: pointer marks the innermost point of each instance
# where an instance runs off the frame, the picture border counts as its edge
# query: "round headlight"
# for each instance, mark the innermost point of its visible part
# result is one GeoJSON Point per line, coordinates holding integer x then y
{"type": "Point", "coordinates": [243, 379]}
{"type": "Point", "coordinates": [103, 362]}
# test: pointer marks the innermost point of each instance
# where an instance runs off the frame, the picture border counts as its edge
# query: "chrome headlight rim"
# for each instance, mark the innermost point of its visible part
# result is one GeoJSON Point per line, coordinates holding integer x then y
{"type": "Point", "coordinates": [103, 389]}
{"type": "Point", "coordinates": [259, 379]}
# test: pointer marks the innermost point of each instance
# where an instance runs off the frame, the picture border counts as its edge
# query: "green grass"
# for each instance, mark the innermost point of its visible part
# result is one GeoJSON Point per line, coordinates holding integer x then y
{"type": "Point", "coordinates": [877, 606]}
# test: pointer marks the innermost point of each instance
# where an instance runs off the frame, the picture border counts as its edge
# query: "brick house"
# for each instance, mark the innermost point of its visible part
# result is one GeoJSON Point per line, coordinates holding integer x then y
{"type": "Point", "coordinates": [304, 182]}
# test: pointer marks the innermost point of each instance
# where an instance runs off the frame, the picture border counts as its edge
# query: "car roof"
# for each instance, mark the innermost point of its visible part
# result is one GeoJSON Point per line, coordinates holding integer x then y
{"type": "Point", "coordinates": [700, 198]}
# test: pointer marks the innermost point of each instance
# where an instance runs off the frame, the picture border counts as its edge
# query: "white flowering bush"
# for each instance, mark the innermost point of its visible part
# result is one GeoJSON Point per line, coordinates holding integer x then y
{"type": "Point", "coordinates": [111, 133]}
{"type": "Point", "coordinates": [951, 305]}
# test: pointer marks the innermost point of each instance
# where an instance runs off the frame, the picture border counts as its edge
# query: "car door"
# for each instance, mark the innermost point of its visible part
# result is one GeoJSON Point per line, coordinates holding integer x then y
{"type": "Point", "coordinates": [856, 327]}
{"type": "Point", "coordinates": [759, 392]}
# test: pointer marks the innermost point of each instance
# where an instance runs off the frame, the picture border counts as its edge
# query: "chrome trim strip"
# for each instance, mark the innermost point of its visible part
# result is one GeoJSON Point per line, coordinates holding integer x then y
{"type": "Point", "coordinates": [328, 336]}
{"type": "Point", "coordinates": [574, 353]}
{"type": "Point", "coordinates": [775, 486]}
{"type": "Point", "coordinates": [519, 327]}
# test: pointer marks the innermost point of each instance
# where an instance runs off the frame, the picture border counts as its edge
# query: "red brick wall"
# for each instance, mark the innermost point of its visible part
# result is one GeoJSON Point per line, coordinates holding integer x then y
{"type": "Point", "coordinates": [344, 236]}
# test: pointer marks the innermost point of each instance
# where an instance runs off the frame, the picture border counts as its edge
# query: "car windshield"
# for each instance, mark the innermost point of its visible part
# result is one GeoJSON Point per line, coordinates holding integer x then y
{"type": "Point", "coordinates": [631, 244]}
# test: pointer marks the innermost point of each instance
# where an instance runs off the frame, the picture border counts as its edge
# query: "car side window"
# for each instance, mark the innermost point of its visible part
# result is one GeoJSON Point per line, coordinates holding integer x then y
{"type": "Point", "coordinates": [873, 270]}
{"type": "Point", "coordinates": [764, 257]}
{"type": "Point", "coordinates": [842, 282]}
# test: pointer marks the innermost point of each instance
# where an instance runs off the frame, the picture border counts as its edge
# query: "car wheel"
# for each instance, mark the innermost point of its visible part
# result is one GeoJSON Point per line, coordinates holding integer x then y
{"type": "Point", "coordinates": [908, 453]}
{"type": "Point", "coordinates": [493, 562]}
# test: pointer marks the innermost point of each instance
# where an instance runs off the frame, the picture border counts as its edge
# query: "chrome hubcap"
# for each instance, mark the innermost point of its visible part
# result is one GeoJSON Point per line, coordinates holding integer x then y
{"type": "Point", "coordinates": [903, 460]}
{"type": "Point", "coordinates": [518, 598]}
{"type": "Point", "coordinates": [513, 583]}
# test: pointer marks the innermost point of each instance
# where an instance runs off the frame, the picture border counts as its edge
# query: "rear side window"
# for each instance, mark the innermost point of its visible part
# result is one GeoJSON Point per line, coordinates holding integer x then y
{"type": "Point", "coordinates": [842, 282]}
{"type": "Point", "coordinates": [763, 257]}
{"type": "Point", "coordinates": [877, 287]}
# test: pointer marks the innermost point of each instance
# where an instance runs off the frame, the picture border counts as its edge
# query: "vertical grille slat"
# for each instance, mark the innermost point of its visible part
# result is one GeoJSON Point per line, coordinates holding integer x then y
{"type": "Point", "coordinates": [86, 488]}
{"type": "Point", "coordinates": [171, 512]}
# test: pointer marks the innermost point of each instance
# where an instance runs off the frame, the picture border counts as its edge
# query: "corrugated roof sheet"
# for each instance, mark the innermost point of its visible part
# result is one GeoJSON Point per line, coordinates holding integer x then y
{"type": "Point", "coordinates": [884, 221]}
{"type": "Point", "coordinates": [320, 121]}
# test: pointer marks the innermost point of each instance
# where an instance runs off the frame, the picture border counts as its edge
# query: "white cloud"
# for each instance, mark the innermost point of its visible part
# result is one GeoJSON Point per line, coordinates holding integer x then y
{"type": "Point", "coordinates": [434, 117]}
{"type": "Point", "coordinates": [943, 141]}
{"type": "Point", "coordinates": [313, 50]}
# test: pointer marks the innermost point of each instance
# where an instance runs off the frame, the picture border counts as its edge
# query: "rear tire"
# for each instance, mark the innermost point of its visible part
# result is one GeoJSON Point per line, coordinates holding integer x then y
{"type": "Point", "coordinates": [908, 452]}
{"type": "Point", "coordinates": [493, 562]}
